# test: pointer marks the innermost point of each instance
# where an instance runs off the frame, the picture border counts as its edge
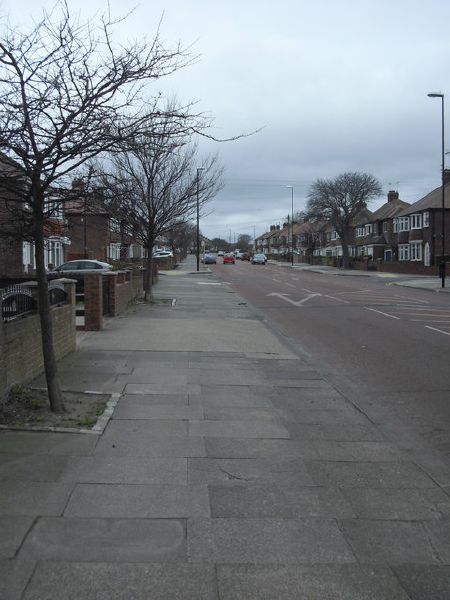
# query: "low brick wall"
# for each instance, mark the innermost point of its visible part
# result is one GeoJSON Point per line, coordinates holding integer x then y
{"type": "Point", "coordinates": [21, 346]}
{"type": "Point", "coordinates": [122, 288]}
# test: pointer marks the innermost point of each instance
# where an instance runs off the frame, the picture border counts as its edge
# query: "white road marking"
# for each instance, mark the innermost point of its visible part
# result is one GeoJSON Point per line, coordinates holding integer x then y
{"type": "Point", "coordinates": [416, 314]}
{"type": "Point", "coordinates": [298, 303]}
{"type": "Point", "coordinates": [290, 285]}
{"type": "Point", "coordinates": [277, 280]}
{"type": "Point", "coordinates": [438, 330]}
{"type": "Point", "coordinates": [338, 299]}
{"type": "Point", "coordinates": [309, 291]}
{"type": "Point", "coordinates": [429, 321]}
{"type": "Point", "coordinates": [382, 313]}
{"type": "Point", "coordinates": [207, 283]}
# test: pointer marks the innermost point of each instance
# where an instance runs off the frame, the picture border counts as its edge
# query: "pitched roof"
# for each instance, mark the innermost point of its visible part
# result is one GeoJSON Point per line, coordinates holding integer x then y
{"type": "Point", "coordinates": [389, 210]}
{"type": "Point", "coordinates": [431, 200]}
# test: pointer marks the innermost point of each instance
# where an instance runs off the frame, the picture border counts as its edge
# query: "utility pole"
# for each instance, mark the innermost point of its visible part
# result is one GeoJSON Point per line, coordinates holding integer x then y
{"type": "Point", "coordinates": [198, 219]}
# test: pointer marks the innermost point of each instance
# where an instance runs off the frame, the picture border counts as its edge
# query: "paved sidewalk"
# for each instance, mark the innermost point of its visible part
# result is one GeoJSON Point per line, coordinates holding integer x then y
{"type": "Point", "coordinates": [230, 470]}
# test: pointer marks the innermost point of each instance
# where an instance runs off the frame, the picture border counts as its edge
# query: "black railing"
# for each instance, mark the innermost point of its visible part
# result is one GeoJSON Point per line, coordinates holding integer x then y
{"type": "Point", "coordinates": [19, 300]}
{"type": "Point", "coordinates": [16, 300]}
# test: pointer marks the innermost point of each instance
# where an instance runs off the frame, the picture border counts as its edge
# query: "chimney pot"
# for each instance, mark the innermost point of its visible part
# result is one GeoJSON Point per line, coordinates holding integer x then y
{"type": "Point", "coordinates": [446, 176]}
{"type": "Point", "coordinates": [392, 195]}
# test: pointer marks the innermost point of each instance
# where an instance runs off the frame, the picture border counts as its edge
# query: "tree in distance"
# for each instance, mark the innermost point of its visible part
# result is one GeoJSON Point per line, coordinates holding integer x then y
{"type": "Point", "coordinates": [339, 201]}
{"type": "Point", "coordinates": [155, 181]}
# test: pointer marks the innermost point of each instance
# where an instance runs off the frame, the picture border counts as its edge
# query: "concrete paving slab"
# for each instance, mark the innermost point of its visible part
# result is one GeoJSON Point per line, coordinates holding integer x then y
{"type": "Point", "coordinates": [22, 442]}
{"type": "Point", "coordinates": [403, 505]}
{"type": "Point", "coordinates": [308, 582]}
{"type": "Point", "coordinates": [323, 450]}
{"type": "Point", "coordinates": [155, 399]}
{"type": "Point", "coordinates": [241, 471]}
{"type": "Point", "coordinates": [439, 535]}
{"type": "Point", "coordinates": [130, 411]}
{"type": "Point", "coordinates": [324, 417]}
{"type": "Point", "coordinates": [138, 501]}
{"type": "Point", "coordinates": [31, 498]}
{"type": "Point", "coordinates": [156, 446]}
{"type": "Point", "coordinates": [290, 371]}
{"type": "Point", "coordinates": [332, 432]}
{"type": "Point", "coordinates": [115, 581]}
{"type": "Point", "coordinates": [231, 413]}
{"type": "Point", "coordinates": [293, 399]}
{"type": "Point", "coordinates": [111, 540]}
{"type": "Point", "coordinates": [12, 532]}
{"type": "Point", "coordinates": [160, 388]}
{"type": "Point", "coordinates": [14, 576]}
{"type": "Point", "coordinates": [392, 542]}
{"type": "Point", "coordinates": [369, 474]}
{"type": "Point", "coordinates": [154, 427]}
{"type": "Point", "coordinates": [233, 395]}
{"type": "Point", "coordinates": [39, 467]}
{"type": "Point", "coordinates": [281, 501]}
{"type": "Point", "coordinates": [160, 373]}
{"type": "Point", "coordinates": [126, 469]}
{"type": "Point", "coordinates": [239, 429]}
{"type": "Point", "coordinates": [424, 582]}
{"type": "Point", "coordinates": [215, 335]}
{"type": "Point", "coordinates": [316, 384]}
{"type": "Point", "coordinates": [225, 375]}
{"type": "Point", "coordinates": [267, 541]}
{"type": "Point", "coordinates": [434, 464]}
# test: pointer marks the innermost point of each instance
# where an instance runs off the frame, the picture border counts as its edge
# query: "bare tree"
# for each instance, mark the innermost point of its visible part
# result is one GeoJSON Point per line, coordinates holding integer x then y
{"type": "Point", "coordinates": [244, 241]}
{"type": "Point", "coordinates": [339, 200]}
{"type": "Point", "coordinates": [181, 236]}
{"type": "Point", "coordinates": [67, 93]}
{"type": "Point", "coordinates": [156, 180]}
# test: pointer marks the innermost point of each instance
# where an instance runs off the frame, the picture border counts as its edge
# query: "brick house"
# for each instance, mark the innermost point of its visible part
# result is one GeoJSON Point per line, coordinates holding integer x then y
{"type": "Point", "coordinates": [375, 238]}
{"type": "Point", "coordinates": [417, 230]}
{"type": "Point", "coordinates": [16, 252]}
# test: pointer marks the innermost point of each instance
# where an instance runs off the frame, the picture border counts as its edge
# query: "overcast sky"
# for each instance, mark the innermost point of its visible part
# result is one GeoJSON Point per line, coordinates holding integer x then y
{"type": "Point", "coordinates": [335, 87]}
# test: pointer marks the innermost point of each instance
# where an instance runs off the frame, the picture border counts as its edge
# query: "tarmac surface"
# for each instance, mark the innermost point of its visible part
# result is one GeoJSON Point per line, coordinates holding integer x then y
{"type": "Point", "coordinates": [229, 470]}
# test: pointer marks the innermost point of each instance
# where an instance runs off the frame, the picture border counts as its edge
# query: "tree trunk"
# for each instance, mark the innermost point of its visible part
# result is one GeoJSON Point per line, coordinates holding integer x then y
{"type": "Point", "coordinates": [148, 274]}
{"type": "Point", "coordinates": [48, 351]}
{"type": "Point", "coordinates": [345, 255]}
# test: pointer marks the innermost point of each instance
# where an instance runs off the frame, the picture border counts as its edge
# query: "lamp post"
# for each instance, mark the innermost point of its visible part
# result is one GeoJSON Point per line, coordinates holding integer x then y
{"type": "Point", "coordinates": [442, 267]}
{"type": "Point", "coordinates": [292, 223]}
{"type": "Point", "coordinates": [198, 219]}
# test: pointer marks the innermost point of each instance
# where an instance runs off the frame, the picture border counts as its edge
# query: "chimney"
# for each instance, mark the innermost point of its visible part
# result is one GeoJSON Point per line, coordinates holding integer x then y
{"type": "Point", "coordinates": [392, 195]}
{"type": "Point", "coordinates": [272, 227]}
{"type": "Point", "coordinates": [446, 176]}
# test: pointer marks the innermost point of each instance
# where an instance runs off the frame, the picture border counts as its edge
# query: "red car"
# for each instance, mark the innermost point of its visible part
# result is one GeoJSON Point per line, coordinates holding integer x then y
{"type": "Point", "coordinates": [229, 258]}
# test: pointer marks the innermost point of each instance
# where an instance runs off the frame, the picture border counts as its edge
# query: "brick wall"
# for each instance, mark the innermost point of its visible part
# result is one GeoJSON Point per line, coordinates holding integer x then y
{"type": "Point", "coordinates": [20, 342]}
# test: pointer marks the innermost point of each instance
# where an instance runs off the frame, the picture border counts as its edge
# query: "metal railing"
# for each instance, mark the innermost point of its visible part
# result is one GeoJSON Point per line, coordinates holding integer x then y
{"type": "Point", "coordinates": [19, 300]}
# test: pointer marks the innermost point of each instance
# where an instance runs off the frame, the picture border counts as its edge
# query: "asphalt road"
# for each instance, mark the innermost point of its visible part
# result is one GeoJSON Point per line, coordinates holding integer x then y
{"type": "Point", "coordinates": [384, 346]}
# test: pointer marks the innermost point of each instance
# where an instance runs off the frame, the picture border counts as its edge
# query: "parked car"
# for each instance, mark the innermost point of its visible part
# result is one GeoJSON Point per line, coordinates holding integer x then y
{"type": "Point", "coordinates": [210, 259]}
{"type": "Point", "coordinates": [246, 256]}
{"type": "Point", "coordinates": [163, 254]}
{"type": "Point", "coordinates": [82, 266]}
{"type": "Point", "coordinates": [220, 253]}
{"type": "Point", "coordinates": [238, 254]}
{"type": "Point", "coordinates": [229, 258]}
{"type": "Point", "coordinates": [259, 259]}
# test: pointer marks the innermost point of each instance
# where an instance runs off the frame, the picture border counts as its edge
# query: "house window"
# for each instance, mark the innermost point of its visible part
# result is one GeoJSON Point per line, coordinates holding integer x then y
{"type": "Point", "coordinates": [114, 251]}
{"type": "Point", "coordinates": [403, 223]}
{"type": "Point", "coordinates": [334, 235]}
{"type": "Point", "coordinates": [54, 209]}
{"type": "Point", "coordinates": [360, 231]}
{"type": "Point", "coordinates": [416, 221]}
{"type": "Point", "coordinates": [403, 252]}
{"type": "Point", "coordinates": [53, 253]}
{"type": "Point", "coordinates": [368, 229]}
{"type": "Point", "coordinates": [395, 223]}
{"type": "Point", "coordinates": [385, 226]}
{"type": "Point", "coordinates": [114, 225]}
{"type": "Point", "coordinates": [27, 256]}
{"type": "Point", "coordinates": [426, 219]}
{"type": "Point", "coordinates": [416, 251]}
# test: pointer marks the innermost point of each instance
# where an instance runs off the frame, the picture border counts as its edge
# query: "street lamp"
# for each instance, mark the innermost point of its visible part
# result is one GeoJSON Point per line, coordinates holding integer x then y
{"type": "Point", "coordinates": [198, 219]}
{"type": "Point", "coordinates": [292, 223]}
{"type": "Point", "coordinates": [442, 262]}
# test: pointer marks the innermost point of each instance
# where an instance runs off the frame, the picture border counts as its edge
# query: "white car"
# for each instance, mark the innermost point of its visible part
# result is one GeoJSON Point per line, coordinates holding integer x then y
{"type": "Point", "coordinates": [220, 253]}
{"type": "Point", "coordinates": [163, 254]}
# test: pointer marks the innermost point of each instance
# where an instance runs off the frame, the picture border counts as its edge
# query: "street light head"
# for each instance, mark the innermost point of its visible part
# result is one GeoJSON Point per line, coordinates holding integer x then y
{"type": "Point", "coordinates": [435, 95]}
